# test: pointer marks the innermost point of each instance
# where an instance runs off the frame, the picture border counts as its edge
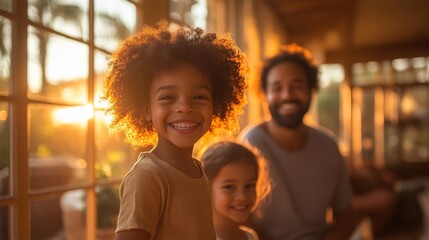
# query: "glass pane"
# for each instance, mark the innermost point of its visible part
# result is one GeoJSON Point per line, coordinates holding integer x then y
{"type": "Point", "coordinates": [420, 66]}
{"type": "Point", "coordinates": [107, 211]}
{"type": "Point", "coordinates": [5, 5]}
{"type": "Point", "coordinates": [415, 143]}
{"type": "Point", "coordinates": [57, 67]}
{"type": "Point", "coordinates": [114, 20]}
{"type": "Point", "coordinates": [392, 148]}
{"type": "Point", "coordinates": [403, 70]}
{"type": "Point", "coordinates": [66, 16]}
{"type": "Point", "coordinates": [100, 72]}
{"type": "Point", "coordinates": [4, 149]}
{"type": "Point", "coordinates": [391, 105]}
{"type": "Point", "coordinates": [5, 52]}
{"type": "Point", "coordinates": [331, 76]}
{"type": "Point", "coordinates": [370, 73]}
{"type": "Point", "coordinates": [414, 115]}
{"type": "Point", "coordinates": [328, 111]}
{"type": "Point", "coordinates": [328, 99]}
{"type": "Point", "coordinates": [386, 72]}
{"type": "Point", "coordinates": [73, 211]}
{"type": "Point", "coordinates": [4, 223]}
{"type": "Point", "coordinates": [57, 145]}
{"type": "Point", "coordinates": [415, 104]}
{"type": "Point", "coordinates": [359, 74]}
{"type": "Point", "coordinates": [368, 114]}
{"type": "Point", "coordinates": [46, 219]}
{"type": "Point", "coordinates": [374, 72]}
{"type": "Point", "coordinates": [114, 157]}
{"type": "Point", "coordinates": [199, 14]}
{"type": "Point", "coordinates": [190, 12]}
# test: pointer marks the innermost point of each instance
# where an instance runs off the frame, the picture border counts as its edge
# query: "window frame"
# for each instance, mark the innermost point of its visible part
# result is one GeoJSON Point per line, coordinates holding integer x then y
{"type": "Point", "coordinates": [378, 54]}
{"type": "Point", "coordinates": [20, 198]}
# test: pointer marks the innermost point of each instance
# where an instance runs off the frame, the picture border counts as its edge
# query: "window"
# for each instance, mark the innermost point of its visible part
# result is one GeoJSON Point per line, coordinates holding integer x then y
{"type": "Point", "coordinates": [333, 103]}
{"type": "Point", "coordinates": [192, 13]}
{"type": "Point", "coordinates": [381, 115]}
{"type": "Point", "coordinates": [58, 164]}
{"type": "Point", "coordinates": [332, 76]}
{"type": "Point", "coordinates": [390, 111]}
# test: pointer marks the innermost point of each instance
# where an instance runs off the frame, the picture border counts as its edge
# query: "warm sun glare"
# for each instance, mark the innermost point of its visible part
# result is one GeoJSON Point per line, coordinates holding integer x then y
{"type": "Point", "coordinates": [73, 115]}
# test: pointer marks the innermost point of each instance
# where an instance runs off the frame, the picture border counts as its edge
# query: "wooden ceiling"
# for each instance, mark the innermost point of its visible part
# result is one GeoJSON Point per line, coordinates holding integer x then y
{"type": "Point", "coordinates": [305, 19]}
{"type": "Point", "coordinates": [352, 24]}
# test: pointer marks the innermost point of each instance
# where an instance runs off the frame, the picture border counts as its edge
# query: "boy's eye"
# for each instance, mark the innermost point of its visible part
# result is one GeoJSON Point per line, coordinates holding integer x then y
{"type": "Point", "coordinates": [166, 97]}
{"type": "Point", "coordinates": [201, 97]}
{"type": "Point", "coordinates": [228, 187]}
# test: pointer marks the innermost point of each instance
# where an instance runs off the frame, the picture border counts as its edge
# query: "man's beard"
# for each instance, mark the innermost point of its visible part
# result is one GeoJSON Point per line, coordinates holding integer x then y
{"type": "Point", "coordinates": [289, 121]}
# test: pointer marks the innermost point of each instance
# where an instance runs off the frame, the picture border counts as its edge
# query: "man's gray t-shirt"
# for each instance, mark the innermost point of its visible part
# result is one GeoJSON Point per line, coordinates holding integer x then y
{"type": "Point", "coordinates": [306, 183]}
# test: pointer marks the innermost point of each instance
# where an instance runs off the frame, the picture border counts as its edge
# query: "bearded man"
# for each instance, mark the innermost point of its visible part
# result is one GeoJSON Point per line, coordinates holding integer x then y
{"type": "Point", "coordinates": [309, 173]}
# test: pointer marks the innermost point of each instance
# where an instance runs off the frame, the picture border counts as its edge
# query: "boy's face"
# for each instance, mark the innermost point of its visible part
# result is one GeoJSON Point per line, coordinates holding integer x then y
{"type": "Point", "coordinates": [288, 94]}
{"type": "Point", "coordinates": [181, 105]}
{"type": "Point", "coordinates": [234, 191]}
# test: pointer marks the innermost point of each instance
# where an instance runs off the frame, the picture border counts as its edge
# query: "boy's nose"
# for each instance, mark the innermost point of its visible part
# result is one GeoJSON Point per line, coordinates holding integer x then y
{"type": "Point", "coordinates": [185, 106]}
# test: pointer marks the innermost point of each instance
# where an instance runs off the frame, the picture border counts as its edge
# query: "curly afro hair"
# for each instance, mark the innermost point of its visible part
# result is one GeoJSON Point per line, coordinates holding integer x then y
{"type": "Point", "coordinates": [160, 48]}
{"type": "Point", "coordinates": [292, 53]}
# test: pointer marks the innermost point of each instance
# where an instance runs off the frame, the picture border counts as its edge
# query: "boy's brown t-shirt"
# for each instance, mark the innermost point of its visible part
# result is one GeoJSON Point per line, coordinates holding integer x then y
{"type": "Point", "coordinates": [165, 202]}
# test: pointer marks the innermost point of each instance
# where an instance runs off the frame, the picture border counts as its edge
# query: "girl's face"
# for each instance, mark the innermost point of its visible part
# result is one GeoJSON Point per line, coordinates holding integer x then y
{"type": "Point", "coordinates": [234, 191]}
{"type": "Point", "coordinates": [181, 105]}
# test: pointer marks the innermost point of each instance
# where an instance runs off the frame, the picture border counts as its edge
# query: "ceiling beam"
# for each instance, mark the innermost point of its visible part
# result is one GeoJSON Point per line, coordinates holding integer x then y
{"type": "Point", "coordinates": [379, 53]}
{"type": "Point", "coordinates": [314, 14]}
{"type": "Point", "coordinates": [316, 30]}
{"type": "Point", "coordinates": [300, 5]}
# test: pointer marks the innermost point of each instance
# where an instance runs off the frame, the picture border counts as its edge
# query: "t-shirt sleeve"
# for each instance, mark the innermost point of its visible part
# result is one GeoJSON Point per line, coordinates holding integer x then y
{"type": "Point", "coordinates": [142, 201]}
{"type": "Point", "coordinates": [249, 136]}
{"type": "Point", "coordinates": [244, 135]}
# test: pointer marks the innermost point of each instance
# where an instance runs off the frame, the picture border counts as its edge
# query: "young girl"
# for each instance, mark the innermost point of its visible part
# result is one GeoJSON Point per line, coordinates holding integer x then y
{"type": "Point", "coordinates": [166, 89]}
{"type": "Point", "coordinates": [239, 181]}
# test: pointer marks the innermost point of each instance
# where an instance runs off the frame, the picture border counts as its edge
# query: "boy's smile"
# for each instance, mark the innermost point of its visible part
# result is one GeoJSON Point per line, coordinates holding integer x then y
{"type": "Point", "coordinates": [184, 127]}
{"type": "Point", "coordinates": [181, 105]}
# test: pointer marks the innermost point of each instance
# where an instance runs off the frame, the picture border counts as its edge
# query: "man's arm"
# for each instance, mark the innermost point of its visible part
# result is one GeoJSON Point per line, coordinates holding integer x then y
{"type": "Point", "coordinates": [343, 226]}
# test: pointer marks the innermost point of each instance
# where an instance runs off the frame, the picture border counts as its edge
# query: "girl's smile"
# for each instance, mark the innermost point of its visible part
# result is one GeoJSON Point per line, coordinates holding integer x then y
{"type": "Point", "coordinates": [234, 191]}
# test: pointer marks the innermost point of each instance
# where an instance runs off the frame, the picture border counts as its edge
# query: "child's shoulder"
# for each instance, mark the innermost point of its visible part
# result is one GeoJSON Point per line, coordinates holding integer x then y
{"type": "Point", "coordinates": [147, 162]}
{"type": "Point", "coordinates": [148, 172]}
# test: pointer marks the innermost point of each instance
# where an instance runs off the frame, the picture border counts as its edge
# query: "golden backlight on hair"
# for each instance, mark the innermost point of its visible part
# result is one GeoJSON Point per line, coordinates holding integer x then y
{"type": "Point", "coordinates": [159, 48]}
{"type": "Point", "coordinates": [295, 48]}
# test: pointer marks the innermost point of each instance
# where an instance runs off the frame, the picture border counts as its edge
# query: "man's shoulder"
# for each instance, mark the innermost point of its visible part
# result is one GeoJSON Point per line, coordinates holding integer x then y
{"type": "Point", "coordinates": [322, 138]}
{"type": "Point", "coordinates": [251, 131]}
{"type": "Point", "coordinates": [321, 133]}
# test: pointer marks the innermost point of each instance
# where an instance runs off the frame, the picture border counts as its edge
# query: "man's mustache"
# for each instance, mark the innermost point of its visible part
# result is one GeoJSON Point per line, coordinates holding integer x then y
{"type": "Point", "coordinates": [289, 101]}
